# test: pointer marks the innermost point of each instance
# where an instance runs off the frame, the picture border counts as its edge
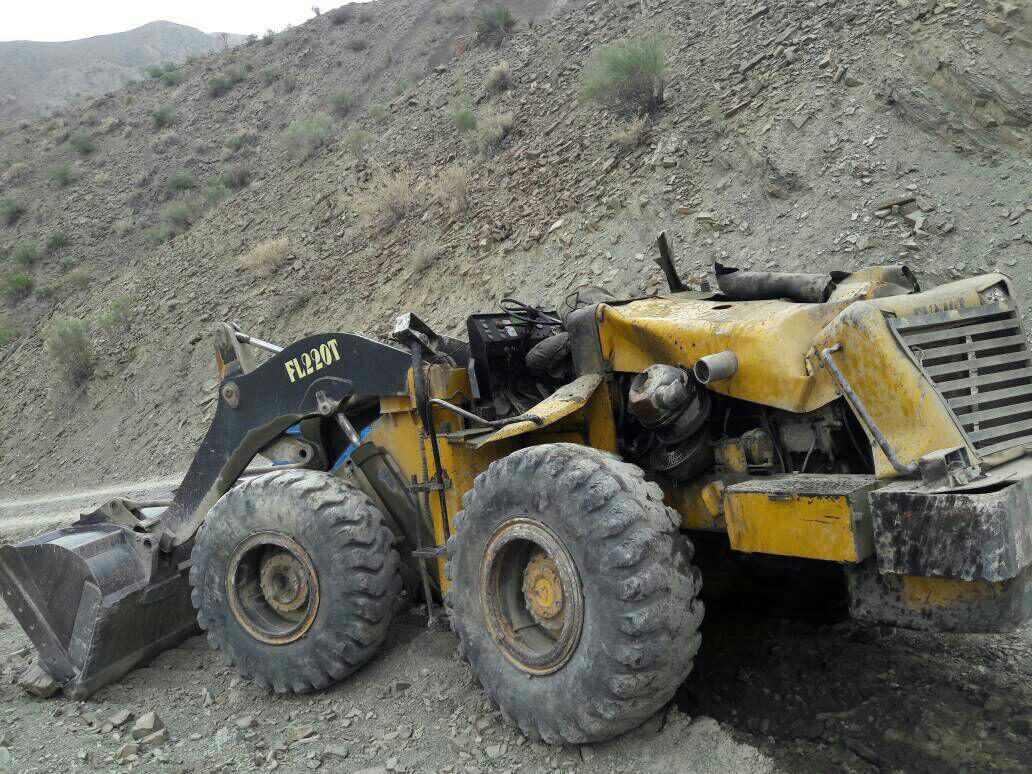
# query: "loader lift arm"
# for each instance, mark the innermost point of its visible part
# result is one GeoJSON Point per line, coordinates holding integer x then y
{"type": "Point", "coordinates": [111, 591]}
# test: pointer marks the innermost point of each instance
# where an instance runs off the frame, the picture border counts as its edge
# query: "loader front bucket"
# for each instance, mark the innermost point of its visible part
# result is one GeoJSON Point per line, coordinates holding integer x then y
{"type": "Point", "coordinates": [85, 597]}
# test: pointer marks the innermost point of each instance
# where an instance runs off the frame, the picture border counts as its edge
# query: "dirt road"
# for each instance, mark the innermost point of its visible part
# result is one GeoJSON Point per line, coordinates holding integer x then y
{"type": "Point", "coordinates": [802, 693]}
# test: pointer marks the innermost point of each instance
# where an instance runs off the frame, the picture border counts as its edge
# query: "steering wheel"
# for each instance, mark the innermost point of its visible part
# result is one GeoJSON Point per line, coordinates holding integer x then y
{"type": "Point", "coordinates": [526, 313]}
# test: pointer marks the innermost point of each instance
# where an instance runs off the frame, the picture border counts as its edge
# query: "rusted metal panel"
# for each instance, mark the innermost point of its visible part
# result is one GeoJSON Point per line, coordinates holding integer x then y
{"type": "Point", "coordinates": [968, 535]}
{"type": "Point", "coordinates": [939, 604]}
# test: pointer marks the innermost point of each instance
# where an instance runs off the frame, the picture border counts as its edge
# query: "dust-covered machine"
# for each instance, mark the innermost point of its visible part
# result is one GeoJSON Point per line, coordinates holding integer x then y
{"type": "Point", "coordinates": [540, 483]}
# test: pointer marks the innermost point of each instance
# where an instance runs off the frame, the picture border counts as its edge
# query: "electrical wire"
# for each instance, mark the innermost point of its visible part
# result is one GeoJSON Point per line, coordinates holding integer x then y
{"type": "Point", "coordinates": [527, 313]}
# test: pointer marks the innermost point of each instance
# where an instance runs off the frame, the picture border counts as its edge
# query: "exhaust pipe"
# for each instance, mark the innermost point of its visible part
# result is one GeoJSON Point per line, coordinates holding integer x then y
{"type": "Point", "coordinates": [714, 368]}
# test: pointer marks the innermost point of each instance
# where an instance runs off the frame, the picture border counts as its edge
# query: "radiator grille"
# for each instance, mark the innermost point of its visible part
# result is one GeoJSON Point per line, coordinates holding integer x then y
{"type": "Point", "coordinates": [980, 361]}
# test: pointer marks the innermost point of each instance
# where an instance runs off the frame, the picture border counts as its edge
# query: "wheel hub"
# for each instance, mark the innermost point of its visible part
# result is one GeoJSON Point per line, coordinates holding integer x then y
{"type": "Point", "coordinates": [543, 591]}
{"type": "Point", "coordinates": [283, 581]}
{"type": "Point", "coordinates": [272, 587]}
{"type": "Point", "coordinates": [531, 596]}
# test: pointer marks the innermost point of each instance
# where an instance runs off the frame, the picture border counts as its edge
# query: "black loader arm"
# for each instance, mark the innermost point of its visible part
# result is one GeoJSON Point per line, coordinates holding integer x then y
{"type": "Point", "coordinates": [112, 591]}
{"type": "Point", "coordinates": [257, 407]}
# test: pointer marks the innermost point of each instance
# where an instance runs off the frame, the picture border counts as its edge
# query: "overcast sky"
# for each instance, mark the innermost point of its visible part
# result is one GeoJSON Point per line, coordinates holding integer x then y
{"type": "Point", "coordinates": [72, 19]}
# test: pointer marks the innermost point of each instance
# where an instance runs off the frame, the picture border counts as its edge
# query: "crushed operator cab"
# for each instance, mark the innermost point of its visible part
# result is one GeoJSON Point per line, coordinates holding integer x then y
{"type": "Point", "coordinates": [544, 480]}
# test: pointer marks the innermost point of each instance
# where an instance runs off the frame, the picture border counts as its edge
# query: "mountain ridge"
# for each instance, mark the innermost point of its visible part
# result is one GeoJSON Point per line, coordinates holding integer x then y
{"type": "Point", "coordinates": [40, 76]}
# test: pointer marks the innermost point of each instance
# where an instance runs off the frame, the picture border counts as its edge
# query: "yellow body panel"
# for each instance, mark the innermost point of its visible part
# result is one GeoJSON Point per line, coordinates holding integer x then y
{"type": "Point", "coordinates": [701, 502]}
{"type": "Point", "coordinates": [902, 401]}
{"type": "Point", "coordinates": [814, 517]}
{"type": "Point", "coordinates": [770, 338]}
{"type": "Point", "coordinates": [778, 345]}
{"type": "Point", "coordinates": [560, 404]}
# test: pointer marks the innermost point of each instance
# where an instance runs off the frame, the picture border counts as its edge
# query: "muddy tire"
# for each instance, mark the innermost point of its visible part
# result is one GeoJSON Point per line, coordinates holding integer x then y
{"type": "Point", "coordinates": [573, 594]}
{"type": "Point", "coordinates": [294, 579]}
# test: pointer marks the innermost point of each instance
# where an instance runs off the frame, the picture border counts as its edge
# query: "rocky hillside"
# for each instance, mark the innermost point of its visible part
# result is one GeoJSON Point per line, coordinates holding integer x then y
{"type": "Point", "coordinates": [330, 177]}
{"type": "Point", "coordinates": [37, 77]}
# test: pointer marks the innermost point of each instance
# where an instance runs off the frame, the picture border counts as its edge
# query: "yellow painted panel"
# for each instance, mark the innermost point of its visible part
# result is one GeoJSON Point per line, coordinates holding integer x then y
{"type": "Point", "coordinates": [902, 401]}
{"type": "Point", "coordinates": [701, 502]}
{"type": "Point", "coordinates": [561, 403]}
{"type": "Point", "coordinates": [804, 526]}
{"type": "Point", "coordinates": [770, 338]}
{"type": "Point", "coordinates": [945, 592]}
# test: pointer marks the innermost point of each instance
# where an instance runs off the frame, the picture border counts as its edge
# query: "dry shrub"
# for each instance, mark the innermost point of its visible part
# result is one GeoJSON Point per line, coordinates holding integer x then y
{"type": "Point", "coordinates": [69, 348]}
{"type": "Point", "coordinates": [425, 256]}
{"type": "Point", "coordinates": [498, 78]}
{"type": "Point", "coordinates": [390, 199]}
{"type": "Point", "coordinates": [451, 189]}
{"type": "Point", "coordinates": [492, 131]}
{"type": "Point", "coordinates": [266, 256]}
{"type": "Point", "coordinates": [357, 142]}
{"type": "Point", "coordinates": [449, 12]}
{"type": "Point", "coordinates": [632, 134]}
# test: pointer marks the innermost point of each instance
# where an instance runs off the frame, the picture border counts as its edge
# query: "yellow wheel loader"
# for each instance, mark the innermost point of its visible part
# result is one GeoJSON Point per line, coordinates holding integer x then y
{"type": "Point", "coordinates": [540, 484]}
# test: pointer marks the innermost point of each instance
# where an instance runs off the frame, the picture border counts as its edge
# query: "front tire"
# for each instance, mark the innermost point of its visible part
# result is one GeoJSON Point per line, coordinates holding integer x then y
{"type": "Point", "coordinates": [294, 579]}
{"type": "Point", "coordinates": [573, 595]}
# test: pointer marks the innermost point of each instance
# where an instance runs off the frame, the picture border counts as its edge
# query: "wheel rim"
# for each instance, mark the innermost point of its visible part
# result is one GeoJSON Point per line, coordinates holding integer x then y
{"type": "Point", "coordinates": [531, 596]}
{"type": "Point", "coordinates": [272, 587]}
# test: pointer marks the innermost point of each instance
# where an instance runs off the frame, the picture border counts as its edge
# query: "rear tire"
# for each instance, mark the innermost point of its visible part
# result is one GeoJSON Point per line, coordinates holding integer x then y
{"type": "Point", "coordinates": [573, 595]}
{"type": "Point", "coordinates": [312, 579]}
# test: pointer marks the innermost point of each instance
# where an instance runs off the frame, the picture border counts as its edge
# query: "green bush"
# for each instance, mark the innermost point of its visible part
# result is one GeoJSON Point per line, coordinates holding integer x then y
{"type": "Point", "coordinates": [79, 278]}
{"type": "Point", "coordinates": [235, 177]}
{"type": "Point", "coordinates": [155, 71]}
{"type": "Point", "coordinates": [269, 36]}
{"type": "Point", "coordinates": [305, 136]}
{"type": "Point", "coordinates": [62, 174]}
{"type": "Point", "coordinates": [268, 74]}
{"type": "Point", "coordinates": [57, 241]}
{"type": "Point", "coordinates": [82, 143]}
{"type": "Point", "coordinates": [15, 286]}
{"type": "Point", "coordinates": [627, 77]}
{"type": "Point", "coordinates": [47, 292]}
{"type": "Point", "coordinates": [221, 84]}
{"type": "Point", "coordinates": [240, 140]}
{"type": "Point", "coordinates": [179, 215]}
{"type": "Point", "coordinates": [341, 103]}
{"type": "Point", "coordinates": [213, 194]}
{"type": "Point", "coordinates": [464, 119]}
{"type": "Point", "coordinates": [357, 44]}
{"type": "Point", "coordinates": [377, 112]}
{"type": "Point", "coordinates": [180, 181]}
{"type": "Point", "coordinates": [25, 253]}
{"type": "Point", "coordinates": [69, 349]}
{"type": "Point", "coordinates": [172, 77]}
{"type": "Point", "coordinates": [357, 141]}
{"type": "Point", "coordinates": [163, 117]}
{"type": "Point", "coordinates": [494, 25]}
{"type": "Point", "coordinates": [67, 263]}
{"type": "Point", "coordinates": [10, 210]}
{"type": "Point", "coordinates": [117, 314]}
